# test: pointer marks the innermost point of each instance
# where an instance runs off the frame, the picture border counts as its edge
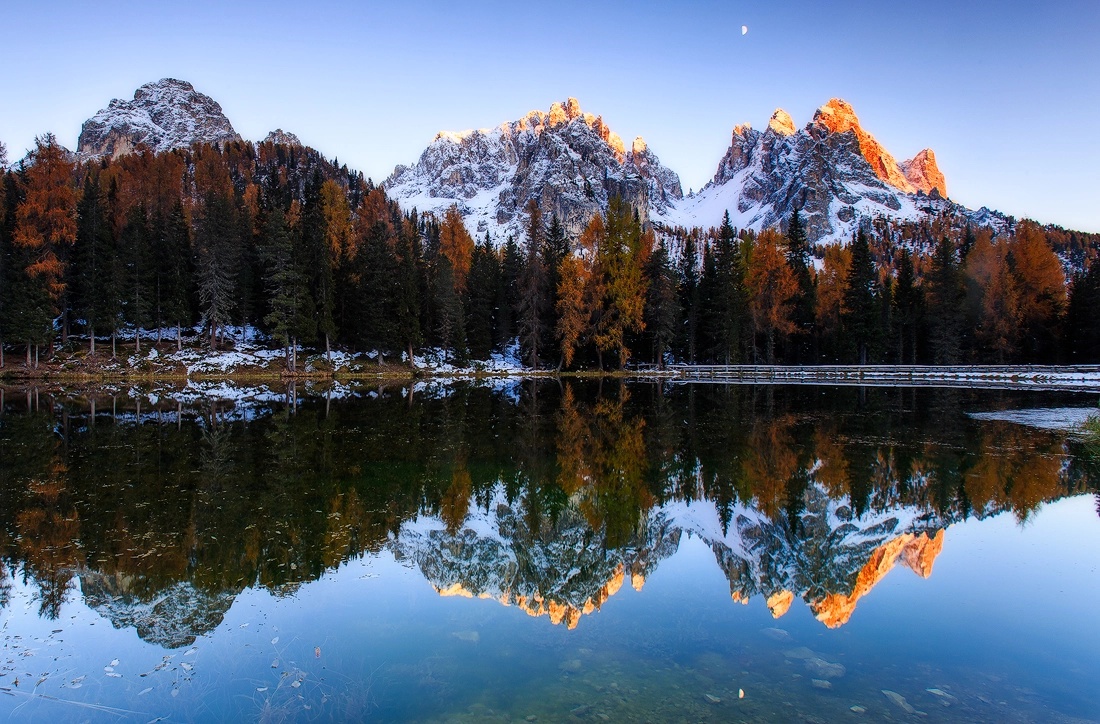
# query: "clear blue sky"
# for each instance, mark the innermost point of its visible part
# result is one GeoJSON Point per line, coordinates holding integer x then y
{"type": "Point", "coordinates": [1006, 93]}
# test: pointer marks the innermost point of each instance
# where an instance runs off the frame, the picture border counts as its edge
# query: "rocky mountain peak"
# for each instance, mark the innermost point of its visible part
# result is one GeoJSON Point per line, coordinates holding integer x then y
{"type": "Point", "coordinates": [566, 159]}
{"type": "Point", "coordinates": [924, 174]}
{"type": "Point", "coordinates": [781, 123]}
{"type": "Point", "coordinates": [282, 138]}
{"type": "Point", "coordinates": [163, 115]}
{"type": "Point", "coordinates": [838, 116]}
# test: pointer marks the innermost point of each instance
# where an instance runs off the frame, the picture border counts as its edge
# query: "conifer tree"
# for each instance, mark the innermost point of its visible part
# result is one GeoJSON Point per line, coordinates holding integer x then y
{"type": "Point", "coordinates": [508, 296]}
{"type": "Point", "coordinates": [174, 271]}
{"type": "Point", "coordinates": [944, 305]}
{"type": "Point", "coordinates": [804, 303]}
{"type": "Point", "coordinates": [9, 199]}
{"type": "Point", "coordinates": [906, 309]}
{"type": "Point", "coordinates": [407, 307]}
{"type": "Point", "coordinates": [217, 262]}
{"type": "Point", "coordinates": [1082, 324]}
{"type": "Point", "coordinates": [688, 296]}
{"type": "Point", "coordinates": [620, 257]}
{"type": "Point", "coordinates": [481, 293]}
{"type": "Point", "coordinates": [574, 306]}
{"type": "Point", "coordinates": [533, 290]}
{"type": "Point", "coordinates": [285, 285]}
{"type": "Point", "coordinates": [860, 312]}
{"type": "Point", "coordinates": [94, 273]}
{"type": "Point", "coordinates": [1041, 284]}
{"type": "Point", "coordinates": [318, 259]}
{"type": "Point", "coordinates": [662, 308]}
{"type": "Point", "coordinates": [725, 297]}
{"type": "Point", "coordinates": [135, 256]}
{"type": "Point", "coordinates": [449, 309]}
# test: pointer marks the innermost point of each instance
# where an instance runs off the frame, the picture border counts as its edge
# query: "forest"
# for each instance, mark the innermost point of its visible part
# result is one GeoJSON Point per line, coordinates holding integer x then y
{"type": "Point", "coordinates": [104, 254]}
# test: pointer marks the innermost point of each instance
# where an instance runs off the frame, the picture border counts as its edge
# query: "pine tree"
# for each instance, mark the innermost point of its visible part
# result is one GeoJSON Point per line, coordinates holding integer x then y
{"type": "Point", "coordinates": [174, 271]}
{"type": "Point", "coordinates": [449, 307]}
{"type": "Point", "coordinates": [508, 296]}
{"type": "Point", "coordinates": [945, 305]}
{"type": "Point", "coordinates": [620, 257]}
{"type": "Point", "coordinates": [217, 262]}
{"type": "Point", "coordinates": [94, 271]}
{"type": "Point", "coordinates": [555, 249]}
{"type": "Point", "coordinates": [9, 199]}
{"type": "Point", "coordinates": [481, 293]}
{"type": "Point", "coordinates": [1082, 324]}
{"type": "Point", "coordinates": [907, 308]}
{"type": "Point", "coordinates": [407, 307]}
{"type": "Point", "coordinates": [318, 258]}
{"type": "Point", "coordinates": [574, 306]}
{"type": "Point", "coordinates": [135, 256]}
{"type": "Point", "coordinates": [860, 312]}
{"type": "Point", "coordinates": [688, 296]}
{"type": "Point", "coordinates": [804, 302]}
{"type": "Point", "coordinates": [724, 295]}
{"type": "Point", "coordinates": [662, 308]}
{"type": "Point", "coordinates": [1041, 284]}
{"type": "Point", "coordinates": [533, 290]}
{"type": "Point", "coordinates": [285, 285]}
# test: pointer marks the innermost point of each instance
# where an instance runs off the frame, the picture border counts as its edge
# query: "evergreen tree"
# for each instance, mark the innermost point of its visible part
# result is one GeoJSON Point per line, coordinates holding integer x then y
{"type": "Point", "coordinates": [407, 307]}
{"type": "Point", "coordinates": [860, 312]}
{"type": "Point", "coordinates": [508, 296]}
{"type": "Point", "coordinates": [906, 309]}
{"type": "Point", "coordinates": [688, 296]}
{"type": "Point", "coordinates": [804, 303]}
{"type": "Point", "coordinates": [9, 283]}
{"type": "Point", "coordinates": [174, 272]}
{"type": "Point", "coordinates": [217, 262]}
{"type": "Point", "coordinates": [135, 256]}
{"type": "Point", "coordinates": [620, 257]}
{"type": "Point", "coordinates": [449, 309]}
{"type": "Point", "coordinates": [1081, 343]}
{"type": "Point", "coordinates": [662, 308]}
{"type": "Point", "coordinates": [481, 294]}
{"type": "Point", "coordinates": [533, 289]}
{"type": "Point", "coordinates": [96, 291]}
{"type": "Point", "coordinates": [725, 296]}
{"type": "Point", "coordinates": [318, 259]}
{"type": "Point", "coordinates": [285, 285]}
{"type": "Point", "coordinates": [945, 305]}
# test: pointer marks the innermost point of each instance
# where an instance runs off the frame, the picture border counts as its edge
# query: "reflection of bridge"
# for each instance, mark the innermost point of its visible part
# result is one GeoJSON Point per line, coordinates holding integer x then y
{"type": "Point", "coordinates": [1084, 378]}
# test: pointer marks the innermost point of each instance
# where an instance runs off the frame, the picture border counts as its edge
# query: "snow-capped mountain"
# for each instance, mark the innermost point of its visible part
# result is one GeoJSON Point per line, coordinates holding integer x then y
{"type": "Point", "coordinates": [164, 115]}
{"type": "Point", "coordinates": [828, 556]}
{"type": "Point", "coordinates": [567, 160]}
{"type": "Point", "coordinates": [832, 170]}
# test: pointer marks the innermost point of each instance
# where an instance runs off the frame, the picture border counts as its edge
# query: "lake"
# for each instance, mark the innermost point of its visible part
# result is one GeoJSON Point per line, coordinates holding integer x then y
{"type": "Point", "coordinates": [548, 551]}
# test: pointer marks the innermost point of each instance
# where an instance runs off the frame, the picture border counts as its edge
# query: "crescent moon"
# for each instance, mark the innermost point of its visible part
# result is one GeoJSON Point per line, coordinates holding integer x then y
{"type": "Point", "coordinates": [744, 29]}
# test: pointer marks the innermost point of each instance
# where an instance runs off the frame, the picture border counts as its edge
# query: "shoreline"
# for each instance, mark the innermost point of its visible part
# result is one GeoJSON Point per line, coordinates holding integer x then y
{"type": "Point", "coordinates": [1084, 378]}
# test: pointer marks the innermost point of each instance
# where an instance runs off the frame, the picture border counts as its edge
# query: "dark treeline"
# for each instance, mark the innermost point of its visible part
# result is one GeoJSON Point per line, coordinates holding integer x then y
{"type": "Point", "coordinates": [278, 239]}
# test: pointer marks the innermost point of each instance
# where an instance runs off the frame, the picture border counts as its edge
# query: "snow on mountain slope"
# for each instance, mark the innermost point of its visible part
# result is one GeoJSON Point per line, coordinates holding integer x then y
{"type": "Point", "coordinates": [567, 160]}
{"type": "Point", "coordinates": [163, 115]}
{"type": "Point", "coordinates": [833, 170]}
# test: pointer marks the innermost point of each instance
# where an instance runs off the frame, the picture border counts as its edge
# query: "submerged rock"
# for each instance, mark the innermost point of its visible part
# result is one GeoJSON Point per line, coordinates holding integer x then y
{"type": "Point", "coordinates": [824, 670]}
{"type": "Point", "coordinates": [712, 699]}
{"type": "Point", "coordinates": [899, 701]}
{"type": "Point", "coordinates": [821, 683]}
{"type": "Point", "coordinates": [800, 653]}
{"type": "Point", "coordinates": [776, 634]}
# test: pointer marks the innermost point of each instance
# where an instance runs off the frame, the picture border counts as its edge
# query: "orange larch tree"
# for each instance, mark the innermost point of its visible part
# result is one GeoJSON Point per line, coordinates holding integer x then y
{"type": "Point", "coordinates": [457, 245]}
{"type": "Point", "coordinates": [771, 287]}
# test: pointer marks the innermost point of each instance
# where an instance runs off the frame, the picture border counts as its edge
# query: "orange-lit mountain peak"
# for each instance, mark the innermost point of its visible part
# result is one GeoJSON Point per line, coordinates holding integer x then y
{"type": "Point", "coordinates": [916, 552]}
{"type": "Point", "coordinates": [779, 603]}
{"type": "Point", "coordinates": [838, 116]}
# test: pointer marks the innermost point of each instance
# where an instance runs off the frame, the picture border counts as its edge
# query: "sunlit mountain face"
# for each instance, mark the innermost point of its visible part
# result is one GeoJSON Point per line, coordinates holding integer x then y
{"type": "Point", "coordinates": [164, 515]}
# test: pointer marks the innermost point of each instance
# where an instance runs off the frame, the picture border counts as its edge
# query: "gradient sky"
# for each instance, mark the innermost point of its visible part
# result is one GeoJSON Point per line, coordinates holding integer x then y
{"type": "Point", "coordinates": [1006, 93]}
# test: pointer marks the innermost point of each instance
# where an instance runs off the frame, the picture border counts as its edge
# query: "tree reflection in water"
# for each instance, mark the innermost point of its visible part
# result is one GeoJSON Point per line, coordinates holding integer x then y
{"type": "Point", "coordinates": [544, 495]}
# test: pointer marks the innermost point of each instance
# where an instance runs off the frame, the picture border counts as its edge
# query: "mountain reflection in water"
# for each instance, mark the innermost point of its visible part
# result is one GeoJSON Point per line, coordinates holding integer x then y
{"type": "Point", "coordinates": [365, 552]}
{"type": "Point", "coordinates": [543, 496]}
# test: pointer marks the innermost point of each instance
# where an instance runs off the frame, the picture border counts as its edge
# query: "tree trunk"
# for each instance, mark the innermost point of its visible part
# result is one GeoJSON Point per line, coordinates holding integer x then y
{"type": "Point", "coordinates": [213, 336]}
{"type": "Point", "coordinates": [114, 351]}
{"type": "Point", "coordinates": [412, 362]}
{"type": "Point", "coordinates": [179, 338]}
{"type": "Point", "coordinates": [294, 355]}
{"type": "Point", "coordinates": [137, 340]}
{"type": "Point", "coordinates": [65, 327]}
{"type": "Point", "coordinates": [91, 340]}
{"type": "Point", "coordinates": [28, 355]}
{"type": "Point", "coordinates": [1, 361]}
{"type": "Point", "coordinates": [771, 346]}
{"type": "Point", "coordinates": [36, 356]}
{"type": "Point", "coordinates": [328, 350]}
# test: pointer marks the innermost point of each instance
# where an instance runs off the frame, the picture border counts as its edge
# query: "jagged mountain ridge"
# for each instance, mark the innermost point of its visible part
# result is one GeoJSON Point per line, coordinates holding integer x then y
{"type": "Point", "coordinates": [567, 160]}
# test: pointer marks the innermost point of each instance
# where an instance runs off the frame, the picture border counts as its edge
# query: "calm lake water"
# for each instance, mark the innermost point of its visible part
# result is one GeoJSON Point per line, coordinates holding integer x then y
{"type": "Point", "coordinates": [536, 551]}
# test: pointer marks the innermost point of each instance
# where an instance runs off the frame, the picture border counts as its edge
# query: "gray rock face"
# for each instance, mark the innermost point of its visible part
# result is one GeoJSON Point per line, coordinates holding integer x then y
{"type": "Point", "coordinates": [567, 160]}
{"type": "Point", "coordinates": [282, 138]}
{"type": "Point", "coordinates": [172, 617]}
{"type": "Point", "coordinates": [164, 115]}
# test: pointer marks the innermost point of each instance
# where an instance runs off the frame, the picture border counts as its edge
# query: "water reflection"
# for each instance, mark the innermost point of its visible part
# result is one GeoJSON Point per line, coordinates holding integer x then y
{"type": "Point", "coordinates": [544, 496]}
